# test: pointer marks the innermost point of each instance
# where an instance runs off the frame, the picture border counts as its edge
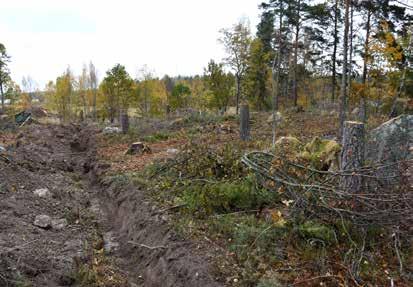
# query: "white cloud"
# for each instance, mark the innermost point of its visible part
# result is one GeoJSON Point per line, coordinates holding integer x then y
{"type": "Point", "coordinates": [174, 37]}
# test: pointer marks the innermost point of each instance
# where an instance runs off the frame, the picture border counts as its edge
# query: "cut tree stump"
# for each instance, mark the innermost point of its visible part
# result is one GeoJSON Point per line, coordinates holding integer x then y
{"type": "Point", "coordinates": [138, 148]}
{"type": "Point", "coordinates": [352, 155]}
{"type": "Point", "coordinates": [124, 122]}
{"type": "Point", "coordinates": [244, 122]}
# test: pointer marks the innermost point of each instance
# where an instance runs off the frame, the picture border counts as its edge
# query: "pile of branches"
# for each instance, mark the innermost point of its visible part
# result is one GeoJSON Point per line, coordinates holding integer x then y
{"type": "Point", "coordinates": [386, 199]}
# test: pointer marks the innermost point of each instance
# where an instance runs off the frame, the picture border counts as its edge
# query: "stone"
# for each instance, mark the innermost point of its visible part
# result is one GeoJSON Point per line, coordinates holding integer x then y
{"type": "Point", "coordinates": [110, 243]}
{"type": "Point", "coordinates": [3, 188]}
{"type": "Point", "coordinates": [2, 149]}
{"type": "Point", "coordinates": [42, 192]}
{"type": "Point", "coordinates": [391, 141]}
{"type": "Point", "coordinates": [231, 111]}
{"type": "Point", "coordinates": [59, 224]}
{"type": "Point", "coordinates": [278, 118]}
{"type": "Point", "coordinates": [43, 221]}
{"type": "Point", "coordinates": [112, 130]}
{"type": "Point", "coordinates": [356, 111]}
{"type": "Point", "coordinates": [172, 151]}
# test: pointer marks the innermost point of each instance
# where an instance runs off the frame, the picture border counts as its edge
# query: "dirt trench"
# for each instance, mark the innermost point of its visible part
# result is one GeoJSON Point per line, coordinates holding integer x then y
{"type": "Point", "coordinates": [83, 212]}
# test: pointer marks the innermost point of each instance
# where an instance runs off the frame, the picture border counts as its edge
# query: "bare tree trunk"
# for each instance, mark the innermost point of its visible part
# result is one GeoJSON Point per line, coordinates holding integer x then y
{"type": "Point", "coordinates": [276, 67]}
{"type": "Point", "coordinates": [350, 62]}
{"type": "Point", "coordinates": [238, 80]}
{"type": "Point", "coordinates": [343, 100]}
{"type": "Point", "coordinates": [352, 156]}
{"type": "Point", "coordinates": [294, 87]}
{"type": "Point", "coordinates": [244, 122]}
{"type": "Point", "coordinates": [94, 105]}
{"type": "Point", "coordinates": [124, 121]}
{"type": "Point", "coordinates": [363, 101]}
{"type": "Point", "coordinates": [334, 57]}
{"type": "Point", "coordinates": [2, 96]}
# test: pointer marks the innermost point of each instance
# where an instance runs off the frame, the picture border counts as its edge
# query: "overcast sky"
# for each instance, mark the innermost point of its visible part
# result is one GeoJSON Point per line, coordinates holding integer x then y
{"type": "Point", "coordinates": [175, 37]}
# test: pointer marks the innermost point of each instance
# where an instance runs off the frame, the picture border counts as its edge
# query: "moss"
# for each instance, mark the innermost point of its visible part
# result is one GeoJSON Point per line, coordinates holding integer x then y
{"type": "Point", "coordinates": [288, 146]}
{"type": "Point", "coordinates": [321, 153]}
{"type": "Point", "coordinates": [313, 229]}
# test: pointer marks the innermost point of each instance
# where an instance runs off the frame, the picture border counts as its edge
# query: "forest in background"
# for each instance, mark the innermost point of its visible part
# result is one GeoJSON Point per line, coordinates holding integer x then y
{"type": "Point", "coordinates": [335, 53]}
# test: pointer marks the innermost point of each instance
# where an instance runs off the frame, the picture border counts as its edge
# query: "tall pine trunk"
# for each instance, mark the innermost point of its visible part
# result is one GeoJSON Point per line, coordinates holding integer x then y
{"type": "Point", "coordinates": [343, 94]}
{"type": "Point", "coordinates": [294, 87]}
{"type": "Point", "coordinates": [363, 101]}
{"type": "Point", "coordinates": [276, 67]}
{"type": "Point", "coordinates": [334, 56]}
{"type": "Point", "coordinates": [350, 61]}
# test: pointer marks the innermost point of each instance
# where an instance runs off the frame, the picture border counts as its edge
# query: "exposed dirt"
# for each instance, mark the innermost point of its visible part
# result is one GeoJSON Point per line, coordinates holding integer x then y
{"type": "Point", "coordinates": [42, 157]}
{"type": "Point", "coordinates": [93, 213]}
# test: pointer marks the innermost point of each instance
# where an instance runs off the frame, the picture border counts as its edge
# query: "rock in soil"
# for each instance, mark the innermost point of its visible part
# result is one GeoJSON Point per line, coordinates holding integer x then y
{"type": "Point", "coordinates": [43, 221]}
{"type": "Point", "coordinates": [42, 192]}
{"type": "Point", "coordinates": [59, 224]}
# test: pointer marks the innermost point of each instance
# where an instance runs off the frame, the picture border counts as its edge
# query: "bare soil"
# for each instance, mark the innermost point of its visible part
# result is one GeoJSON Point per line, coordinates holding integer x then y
{"type": "Point", "coordinates": [139, 246]}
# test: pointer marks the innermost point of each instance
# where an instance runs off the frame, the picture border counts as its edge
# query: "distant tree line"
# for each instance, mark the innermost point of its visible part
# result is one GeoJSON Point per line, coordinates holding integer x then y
{"type": "Point", "coordinates": [349, 53]}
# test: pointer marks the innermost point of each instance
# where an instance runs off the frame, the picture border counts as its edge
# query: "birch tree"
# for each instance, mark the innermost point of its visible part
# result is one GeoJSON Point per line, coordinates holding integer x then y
{"type": "Point", "coordinates": [236, 41]}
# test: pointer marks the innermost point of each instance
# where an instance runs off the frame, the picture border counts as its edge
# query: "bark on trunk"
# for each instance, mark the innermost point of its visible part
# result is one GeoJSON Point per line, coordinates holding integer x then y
{"type": "Point", "coordinates": [94, 105]}
{"type": "Point", "coordinates": [350, 61]}
{"type": "Point", "coordinates": [244, 123]}
{"type": "Point", "coordinates": [2, 96]}
{"type": "Point", "coordinates": [294, 87]}
{"type": "Point", "coordinates": [334, 56]}
{"type": "Point", "coordinates": [276, 66]}
{"type": "Point", "coordinates": [343, 100]}
{"type": "Point", "coordinates": [352, 156]}
{"type": "Point", "coordinates": [238, 79]}
{"type": "Point", "coordinates": [363, 101]}
{"type": "Point", "coordinates": [124, 122]}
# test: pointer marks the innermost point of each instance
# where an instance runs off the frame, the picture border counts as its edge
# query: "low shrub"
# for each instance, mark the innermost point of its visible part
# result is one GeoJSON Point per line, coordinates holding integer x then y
{"type": "Point", "coordinates": [223, 197]}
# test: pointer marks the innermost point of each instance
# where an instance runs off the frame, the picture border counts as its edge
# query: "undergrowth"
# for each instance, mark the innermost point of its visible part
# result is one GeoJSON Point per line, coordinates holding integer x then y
{"type": "Point", "coordinates": [219, 198]}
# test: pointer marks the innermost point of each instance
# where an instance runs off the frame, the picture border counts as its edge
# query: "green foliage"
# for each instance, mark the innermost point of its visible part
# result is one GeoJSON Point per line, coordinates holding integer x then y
{"type": "Point", "coordinates": [203, 118]}
{"type": "Point", "coordinates": [257, 238]}
{"type": "Point", "coordinates": [269, 282]}
{"type": "Point", "coordinates": [156, 137]}
{"type": "Point", "coordinates": [117, 87]}
{"type": "Point", "coordinates": [219, 84]}
{"type": "Point", "coordinates": [63, 95]}
{"type": "Point", "coordinates": [257, 79]}
{"type": "Point", "coordinates": [179, 96]}
{"type": "Point", "coordinates": [226, 196]}
{"type": "Point", "coordinates": [4, 71]}
{"type": "Point", "coordinates": [321, 153]}
{"type": "Point", "coordinates": [317, 230]}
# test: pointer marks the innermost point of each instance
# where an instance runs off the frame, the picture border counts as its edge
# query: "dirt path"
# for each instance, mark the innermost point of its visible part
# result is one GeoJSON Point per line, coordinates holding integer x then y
{"type": "Point", "coordinates": [62, 224]}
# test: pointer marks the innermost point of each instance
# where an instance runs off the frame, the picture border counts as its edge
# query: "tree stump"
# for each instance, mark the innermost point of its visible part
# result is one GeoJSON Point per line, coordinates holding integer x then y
{"type": "Point", "coordinates": [352, 156]}
{"type": "Point", "coordinates": [244, 122]}
{"type": "Point", "coordinates": [124, 122]}
{"type": "Point", "coordinates": [138, 148]}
